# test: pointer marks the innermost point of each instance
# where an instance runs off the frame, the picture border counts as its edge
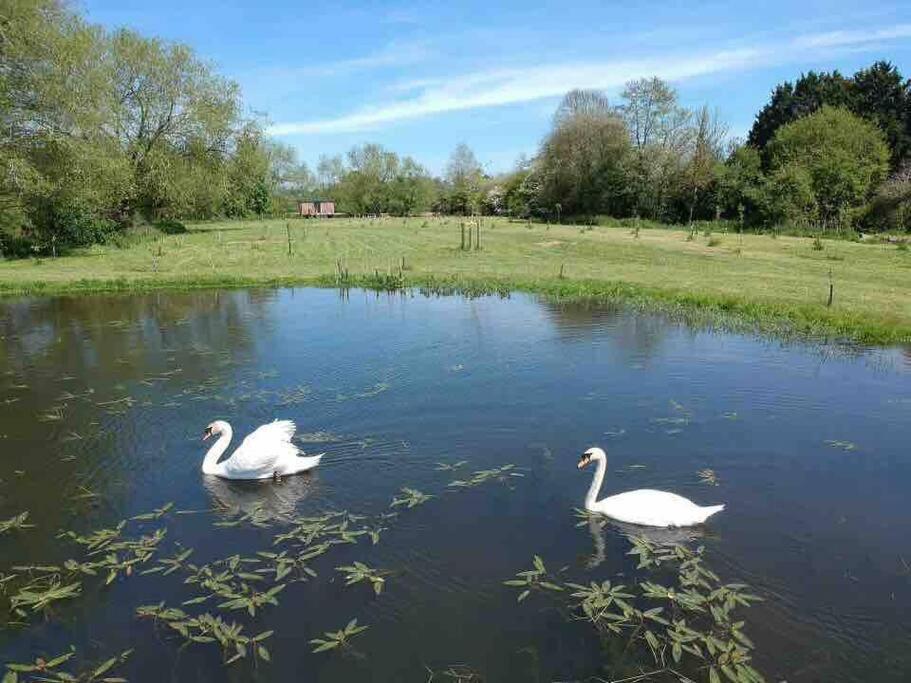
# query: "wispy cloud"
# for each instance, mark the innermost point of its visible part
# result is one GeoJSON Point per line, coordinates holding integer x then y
{"type": "Point", "coordinates": [854, 38]}
{"type": "Point", "coordinates": [394, 54]}
{"type": "Point", "coordinates": [516, 85]}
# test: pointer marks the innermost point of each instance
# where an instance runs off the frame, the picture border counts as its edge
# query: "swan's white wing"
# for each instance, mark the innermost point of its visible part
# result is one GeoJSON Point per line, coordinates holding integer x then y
{"type": "Point", "coordinates": [258, 455]}
{"type": "Point", "coordinates": [653, 508]}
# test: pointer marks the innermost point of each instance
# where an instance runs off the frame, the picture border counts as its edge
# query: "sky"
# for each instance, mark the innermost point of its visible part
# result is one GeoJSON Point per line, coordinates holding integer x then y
{"type": "Point", "coordinates": [420, 78]}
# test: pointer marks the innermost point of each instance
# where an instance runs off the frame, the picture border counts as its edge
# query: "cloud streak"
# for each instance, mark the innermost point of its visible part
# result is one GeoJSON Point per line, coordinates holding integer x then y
{"type": "Point", "coordinates": [519, 85]}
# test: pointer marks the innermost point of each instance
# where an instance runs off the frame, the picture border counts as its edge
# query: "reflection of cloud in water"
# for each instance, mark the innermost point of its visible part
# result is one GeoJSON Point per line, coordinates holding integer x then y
{"type": "Point", "coordinates": [275, 500]}
{"type": "Point", "coordinates": [658, 537]}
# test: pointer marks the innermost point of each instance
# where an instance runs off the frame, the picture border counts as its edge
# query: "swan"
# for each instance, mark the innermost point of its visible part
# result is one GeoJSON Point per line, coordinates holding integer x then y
{"type": "Point", "coordinates": [266, 453]}
{"type": "Point", "coordinates": [644, 507]}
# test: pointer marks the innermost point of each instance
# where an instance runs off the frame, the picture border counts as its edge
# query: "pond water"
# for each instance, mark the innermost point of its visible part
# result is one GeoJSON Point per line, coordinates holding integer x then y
{"type": "Point", "coordinates": [103, 400]}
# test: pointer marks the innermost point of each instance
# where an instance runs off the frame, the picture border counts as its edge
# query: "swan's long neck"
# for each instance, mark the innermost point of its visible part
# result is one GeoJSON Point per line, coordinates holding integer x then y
{"type": "Point", "coordinates": [210, 463]}
{"type": "Point", "coordinates": [592, 495]}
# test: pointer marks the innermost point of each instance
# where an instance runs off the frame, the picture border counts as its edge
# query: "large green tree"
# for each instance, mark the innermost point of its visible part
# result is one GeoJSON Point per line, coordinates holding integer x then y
{"type": "Point", "coordinates": [580, 167]}
{"type": "Point", "coordinates": [879, 94]}
{"type": "Point", "coordinates": [839, 156]}
{"type": "Point", "coordinates": [98, 128]}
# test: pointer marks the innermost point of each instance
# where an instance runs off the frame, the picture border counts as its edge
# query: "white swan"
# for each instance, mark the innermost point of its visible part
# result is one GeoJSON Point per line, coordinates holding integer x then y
{"type": "Point", "coordinates": [267, 452]}
{"type": "Point", "coordinates": [645, 507]}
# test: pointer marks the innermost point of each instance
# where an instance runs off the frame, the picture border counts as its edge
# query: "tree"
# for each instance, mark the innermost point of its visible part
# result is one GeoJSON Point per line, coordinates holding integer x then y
{"type": "Point", "coordinates": [740, 182]}
{"type": "Point", "coordinates": [581, 103]}
{"type": "Point", "coordinates": [843, 157]}
{"type": "Point", "coordinates": [879, 94]}
{"type": "Point", "coordinates": [791, 101]}
{"type": "Point", "coordinates": [660, 132]}
{"type": "Point", "coordinates": [703, 168]}
{"type": "Point", "coordinates": [580, 164]}
{"type": "Point", "coordinates": [464, 177]}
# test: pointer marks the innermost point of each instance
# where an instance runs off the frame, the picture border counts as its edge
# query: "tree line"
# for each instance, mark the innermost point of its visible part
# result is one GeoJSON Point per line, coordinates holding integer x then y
{"type": "Point", "coordinates": [102, 130]}
{"type": "Point", "coordinates": [105, 130]}
{"type": "Point", "coordinates": [826, 153]}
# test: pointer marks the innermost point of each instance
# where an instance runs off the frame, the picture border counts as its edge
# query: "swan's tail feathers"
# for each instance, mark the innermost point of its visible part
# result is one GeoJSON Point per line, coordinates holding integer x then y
{"type": "Point", "coordinates": [302, 463]}
{"type": "Point", "coordinates": [710, 510]}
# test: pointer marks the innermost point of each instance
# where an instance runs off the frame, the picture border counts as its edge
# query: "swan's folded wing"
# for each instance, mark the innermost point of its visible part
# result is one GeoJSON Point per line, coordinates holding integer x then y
{"type": "Point", "coordinates": [258, 454]}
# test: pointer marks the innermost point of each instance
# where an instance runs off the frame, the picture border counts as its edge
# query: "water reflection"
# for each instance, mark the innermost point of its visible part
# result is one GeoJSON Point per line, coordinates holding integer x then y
{"type": "Point", "coordinates": [102, 399]}
{"type": "Point", "coordinates": [599, 527]}
{"type": "Point", "coordinates": [269, 501]}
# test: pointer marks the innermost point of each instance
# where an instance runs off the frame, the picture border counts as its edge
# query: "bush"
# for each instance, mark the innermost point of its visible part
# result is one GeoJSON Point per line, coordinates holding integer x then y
{"type": "Point", "coordinates": [68, 225]}
{"type": "Point", "coordinates": [890, 208]}
{"type": "Point", "coordinates": [171, 226]}
{"type": "Point", "coordinates": [832, 156]}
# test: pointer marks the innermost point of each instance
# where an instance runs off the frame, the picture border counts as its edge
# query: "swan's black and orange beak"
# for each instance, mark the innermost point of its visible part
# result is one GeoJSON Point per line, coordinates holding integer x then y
{"type": "Point", "coordinates": [207, 432]}
{"type": "Point", "coordinates": [584, 460]}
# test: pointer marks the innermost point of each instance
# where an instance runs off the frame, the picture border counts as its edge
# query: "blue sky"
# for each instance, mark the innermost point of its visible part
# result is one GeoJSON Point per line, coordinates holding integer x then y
{"type": "Point", "coordinates": [421, 78]}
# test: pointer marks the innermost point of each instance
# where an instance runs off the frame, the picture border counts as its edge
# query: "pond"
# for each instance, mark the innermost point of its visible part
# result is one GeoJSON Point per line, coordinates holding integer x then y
{"type": "Point", "coordinates": [103, 400]}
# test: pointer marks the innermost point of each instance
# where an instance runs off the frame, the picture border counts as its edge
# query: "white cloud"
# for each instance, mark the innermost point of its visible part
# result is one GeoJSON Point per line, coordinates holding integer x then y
{"type": "Point", "coordinates": [394, 54]}
{"type": "Point", "coordinates": [516, 85]}
{"type": "Point", "coordinates": [853, 38]}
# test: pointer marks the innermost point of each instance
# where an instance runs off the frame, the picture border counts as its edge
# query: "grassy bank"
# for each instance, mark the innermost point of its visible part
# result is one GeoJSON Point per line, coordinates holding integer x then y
{"type": "Point", "coordinates": [772, 284]}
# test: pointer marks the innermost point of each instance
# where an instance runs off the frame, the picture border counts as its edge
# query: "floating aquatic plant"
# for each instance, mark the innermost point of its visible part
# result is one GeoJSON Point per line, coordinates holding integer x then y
{"type": "Point", "coordinates": [500, 474]}
{"type": "Point", "coordinates": [208, 628]}
{"type": "Point", "coordinates": [410, 498]}
{"type": "Point", "coordinates": [357, 572]}
{"type": "Point", "coordinates": [157, 513]}
{"type": "Point", "coordinates": [338, 639]}
{"type": "Point", "coordinates": [535, 578]}
{"type": "Point", "coordinates": [843, 445]}
{"type": "Point", "coordinates": [16, 522]}
{"type": "Point", "coordinates": [53, 670]}
{"type": "Point", "coordinates": [41, 594]}
{"type": "Point", "coordinates": [688, 623]}
{"type": "Point", "coordinates": [446, 467]}
{"type": "Point", "coordinates": [709, 477]}
{"type": "Point", "coordinates": [459, 673]}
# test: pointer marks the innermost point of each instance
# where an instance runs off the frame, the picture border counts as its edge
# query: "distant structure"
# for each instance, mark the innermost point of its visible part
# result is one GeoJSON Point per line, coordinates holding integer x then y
{"type": "Point", "coordinates": [316, 208]}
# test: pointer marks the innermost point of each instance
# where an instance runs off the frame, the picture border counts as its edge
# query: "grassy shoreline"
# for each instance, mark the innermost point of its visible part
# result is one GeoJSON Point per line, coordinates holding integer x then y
{"type": "Point", "coordinates": [749, 282]}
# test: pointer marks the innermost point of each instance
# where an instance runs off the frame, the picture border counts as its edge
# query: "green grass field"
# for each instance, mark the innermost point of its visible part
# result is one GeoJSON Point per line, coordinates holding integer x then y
{"type": "Point", "coordinates": [770, 284]}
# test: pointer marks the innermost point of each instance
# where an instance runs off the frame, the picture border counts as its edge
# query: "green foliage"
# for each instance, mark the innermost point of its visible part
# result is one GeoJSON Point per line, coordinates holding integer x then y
{"type": "Point", "coordinates": [338, 639]}
{"type": "Point", "coordinates": [171, 226]}
{"type": "Point", "coordinates": [879, 94]}
{"type": "Point", "coordinates": [580, 164]}
{"type": "Point", "coordinates": [689, 625]}
{"type": "Point", "coordinates": [376, 181]}
{"type": "Point", "coordinates": [357, 572]}
{"type": "Point", "coordinates": [101, 126]}
{"type": "Point", "coordinates": [15, 522]}
{"type": "Point", "coordinates": [836, 156]}
{"type": "Point", "coordinates": [54, 669]}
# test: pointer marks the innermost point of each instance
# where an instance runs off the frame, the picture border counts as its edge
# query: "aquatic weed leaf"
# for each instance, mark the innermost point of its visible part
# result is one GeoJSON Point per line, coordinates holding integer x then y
{"type": "Point", "coordinates": [15, 522]}
{"type": "Point", "coordinates": [336, 639]}
{"type": "Point", "coordinates": [708, 477]}
{"type": "Point", "coordinates": [157, 513]}
{"type": "Point", "coordinates": [445, 467]}
{"type": "Point", "coordinates": [533, 579]}
{"type": "Point", "coordinates": [38, 597]}
{"type": "Point", "coordinates": [499, 474]}
{"type": "Point", "coordinates": [843, 445]}
{"type": "Point", "coordinates": [410, 498]}
{"type": "Point", "coordinates": [357, 572]}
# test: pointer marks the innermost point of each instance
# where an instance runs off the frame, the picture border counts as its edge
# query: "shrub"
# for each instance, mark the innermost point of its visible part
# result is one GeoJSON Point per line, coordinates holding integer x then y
{"type": "Point", "coordinates": [171, 226]}
{"type": "Point", "coordinates": [838, 157]}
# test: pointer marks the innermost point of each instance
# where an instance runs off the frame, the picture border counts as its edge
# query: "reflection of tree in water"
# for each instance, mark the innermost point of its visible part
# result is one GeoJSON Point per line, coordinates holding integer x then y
{"type": "Point", "coordinates": [636, 335]}
{"type": "Point", "coordinates": [81, 379]}
{"type": "Point", "coordinates": [96, 334]}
